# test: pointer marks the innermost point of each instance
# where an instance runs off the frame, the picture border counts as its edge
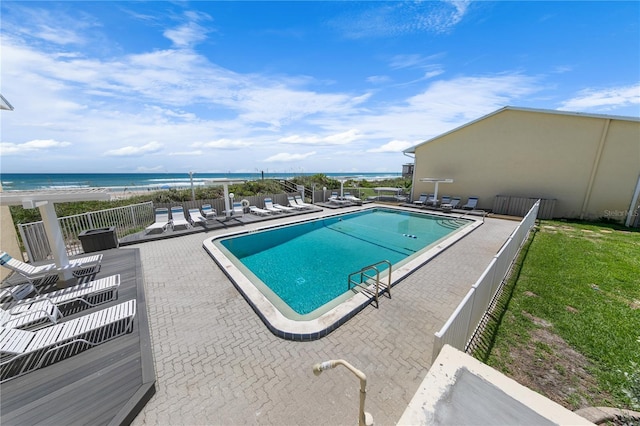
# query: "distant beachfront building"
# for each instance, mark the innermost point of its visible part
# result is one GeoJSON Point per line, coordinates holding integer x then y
{"type": "Point", "coordinates": [586, 165]}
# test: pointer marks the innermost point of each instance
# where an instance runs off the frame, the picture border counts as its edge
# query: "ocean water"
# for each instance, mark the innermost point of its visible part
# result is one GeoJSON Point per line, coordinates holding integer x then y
{"type": "Point", "coordinates": [145, 181]}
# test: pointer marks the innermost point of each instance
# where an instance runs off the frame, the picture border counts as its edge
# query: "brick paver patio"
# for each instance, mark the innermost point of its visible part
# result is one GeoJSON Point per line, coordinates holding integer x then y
{"type": "Point", "coordinates": [217, 363]}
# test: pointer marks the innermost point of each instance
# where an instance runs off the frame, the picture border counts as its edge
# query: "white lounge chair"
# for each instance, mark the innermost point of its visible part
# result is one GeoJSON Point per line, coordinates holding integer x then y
{"type": "Point", "coordinates": [301, 202]}
{"type": "Point", "coordinates": [22, 351]}
{"type": "Point", "coordinates": [208, 212]}
{"type": "Point", "coordinates": [449, 203]}
{"type": "Point", "coordinates": [237, 209]}
{"type": "Point", "coordinates": [258, 211]}
{"type": "Point", "coordinates": [84, 295]}
{"type": "Point", "coordinates": [178, 219]}
{"type": "Point", "coordinates": [283, 208]}
{"type": "Point", "coordinates": [352, 199]}
{"type": "Point", "coordinates": [196, 218]}
{"type": "Point", "coordinates": [39, 314]}
{"type": "Point", "coordinates": [17, 292]}
{"type": "Point", "coordinates": [81, 266]}
{"type": "Point", "coordinates": [268, 205]}
{"type": "Point", "coordinates": [335, 199]}
{"type": "Point", "coordinates": [294, 205]}
{"type": "Point", "coordinates": [420, 201]}
{"type": "Point", "coordinates": [161, 220]}
{"type": "Point", "coordinates": [472, 202]}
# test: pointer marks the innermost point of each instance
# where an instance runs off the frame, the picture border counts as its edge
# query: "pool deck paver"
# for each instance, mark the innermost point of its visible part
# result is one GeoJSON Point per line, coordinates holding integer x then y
{"type": "Point", "coordinates": [217, 363]}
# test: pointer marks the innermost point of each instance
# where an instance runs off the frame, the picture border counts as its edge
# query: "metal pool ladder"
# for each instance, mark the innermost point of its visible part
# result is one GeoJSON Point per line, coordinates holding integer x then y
{"type": "Point", "coordinates": [364, 277]}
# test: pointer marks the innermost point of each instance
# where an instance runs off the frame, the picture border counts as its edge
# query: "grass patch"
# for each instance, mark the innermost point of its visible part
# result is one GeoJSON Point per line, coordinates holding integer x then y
{"type": "Point", "coordinates": [573, 307]}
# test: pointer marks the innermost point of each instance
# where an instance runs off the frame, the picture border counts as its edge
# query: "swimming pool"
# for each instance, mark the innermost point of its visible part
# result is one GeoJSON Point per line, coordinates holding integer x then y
{"type": "Point", "coordinates": [295, 276]}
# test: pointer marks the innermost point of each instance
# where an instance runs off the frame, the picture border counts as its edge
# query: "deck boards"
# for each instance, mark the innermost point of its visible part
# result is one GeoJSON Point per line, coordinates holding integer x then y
{"type": "Point", "coordinates": [102, 385]}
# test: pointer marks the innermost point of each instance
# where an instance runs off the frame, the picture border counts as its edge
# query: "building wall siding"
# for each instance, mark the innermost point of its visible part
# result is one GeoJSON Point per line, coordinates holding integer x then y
{"type": "Point", "coordinates": [536, 154]}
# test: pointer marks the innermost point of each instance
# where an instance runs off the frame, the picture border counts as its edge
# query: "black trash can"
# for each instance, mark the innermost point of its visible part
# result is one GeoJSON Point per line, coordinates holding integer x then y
{"type": "Point", "coordinates": [98, 239]}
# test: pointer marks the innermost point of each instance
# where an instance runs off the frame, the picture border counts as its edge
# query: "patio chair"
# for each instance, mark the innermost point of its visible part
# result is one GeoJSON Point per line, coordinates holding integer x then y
{"type": "Point", "coordinates": [17, 292]}
{"type": "Point", "coordinates": [283, 208]}
{"type": "Point", "coordinates": [81, 296]}
{"type": "Point", "coordinates": [178, 219]}
{"type": "Point", "coordinates": [208, 212]}
{"type": "Point", "coordinates": [301, 202]}
{"type": "Point", "coordinates": [420, 201]}
{"type": "Point", "coordinates": [258, 211]}
{"type": "Point", "coordinates": [431, 200]}
{"type": "Point", "coordinates": [268, 205]}
{"type": "Point", "coordinates": [237, 208]}
{"type": "Point", "coordinates": [39, 314]}
{"type": "Point", "coordinates": [22, 351]}
{"type": "Point", "coordinates": [472, 202]}
{"type": "Point", "coordinates": [352, 198]}
{"type": "Point", "coordinates": [81, 266]}
{"type": "Point", "coordinates": [294, 205]}
{"type": "Point", "coordinates": [196, 218]}
{"type": "Point", "coordinates": [450, 204]}
{"type": "Point", "coordinates": [161, 221]}
{"type": "Point", "coordinates": [335, 199]}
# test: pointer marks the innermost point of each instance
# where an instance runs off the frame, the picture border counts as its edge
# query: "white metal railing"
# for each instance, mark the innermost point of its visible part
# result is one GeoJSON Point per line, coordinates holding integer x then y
{"type": "Point", "coordinates": [466, 318]}
{"type": "Point", "coordinates": [364, 277]}
{"type": "Point", "coordinates": [124, 219]}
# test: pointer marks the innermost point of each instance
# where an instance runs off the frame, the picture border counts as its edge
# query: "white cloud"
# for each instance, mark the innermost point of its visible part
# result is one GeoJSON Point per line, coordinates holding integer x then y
{"type": "Point", "coordinates": [194, 153]}
{"type": "Point", "coordinates": [397, 18]}
{"type": "Point", "coordinates": [604, 99]}
{"type": "Point", "coordinates": [223, 144]}
{"type": "Point", "coordinates": [7, 148]}
{"type": "Point", "coordinates": [393, 146]}
{"type": "Point", "coordinates": [186, 35]}
{"type": "Point", "coordinates": [379, 79]}
{"type": "Point", "coordinates": [132, 151]}
{"type": "Point", "coordinates": [286, 157]}
{"type": "Point", "coordinates": [434, 73]}
{"type": "Point", "coordinates": [155, 169]}
{"type": "Point", "coordinates": [342, 138]}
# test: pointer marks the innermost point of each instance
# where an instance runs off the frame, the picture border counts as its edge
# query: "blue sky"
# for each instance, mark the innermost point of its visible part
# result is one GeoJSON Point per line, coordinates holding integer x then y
{"type": "Point", "coordinates": [335, 86]}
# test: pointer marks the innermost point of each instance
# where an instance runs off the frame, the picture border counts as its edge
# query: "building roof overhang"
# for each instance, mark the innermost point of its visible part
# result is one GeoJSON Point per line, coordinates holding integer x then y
{"type": "Point", "coordinates": [412, 150]}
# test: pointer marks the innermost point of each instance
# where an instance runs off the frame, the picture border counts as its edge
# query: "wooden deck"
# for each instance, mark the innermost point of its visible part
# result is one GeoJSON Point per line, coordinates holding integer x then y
{"type": "Point", "coordinates": [107, 384]}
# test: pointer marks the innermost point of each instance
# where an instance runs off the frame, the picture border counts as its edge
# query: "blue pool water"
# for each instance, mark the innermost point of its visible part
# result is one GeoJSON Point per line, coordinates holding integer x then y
{"type": "Point", "coordinates": [307, 265]}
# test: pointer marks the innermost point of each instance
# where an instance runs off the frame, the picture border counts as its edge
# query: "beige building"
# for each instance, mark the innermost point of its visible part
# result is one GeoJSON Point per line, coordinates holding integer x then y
{"type": "Point", "coordinates": [588, 165]}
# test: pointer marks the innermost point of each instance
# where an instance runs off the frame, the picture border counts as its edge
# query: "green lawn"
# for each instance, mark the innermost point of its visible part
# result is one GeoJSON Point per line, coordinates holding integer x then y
{"type": "Point", "coordinates": [580, 282]}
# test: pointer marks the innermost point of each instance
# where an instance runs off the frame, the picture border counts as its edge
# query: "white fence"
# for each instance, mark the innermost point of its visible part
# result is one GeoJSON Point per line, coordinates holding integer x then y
{"type": "Point", "coordinates": [125, 220]}
{"type": "Point", "coordinates": [464, 321]}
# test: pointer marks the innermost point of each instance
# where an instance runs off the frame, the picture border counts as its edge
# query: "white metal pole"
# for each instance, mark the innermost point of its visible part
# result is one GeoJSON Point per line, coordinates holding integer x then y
{"type": "Point", "coordinates": [54, 235]}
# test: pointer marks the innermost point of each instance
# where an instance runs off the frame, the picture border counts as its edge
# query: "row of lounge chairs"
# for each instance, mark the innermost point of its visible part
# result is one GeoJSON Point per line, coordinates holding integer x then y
{"type": "Point", "coordinates": [447, 202]}
{"type": "Point", "coordinates": [34, 274]}
{"type": "Point", "coordinates": [22, 351]}
{"type": "Point", "coordinates": [295, 204]}
{"type": "Point", "coordinates": [346, 199]}
{"type": "Point", "coordinates": [46, 309]}
{"type": "Point", "coordinates": [34, 331]}
{"type": "Point", "coordinates": [163, 222]}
